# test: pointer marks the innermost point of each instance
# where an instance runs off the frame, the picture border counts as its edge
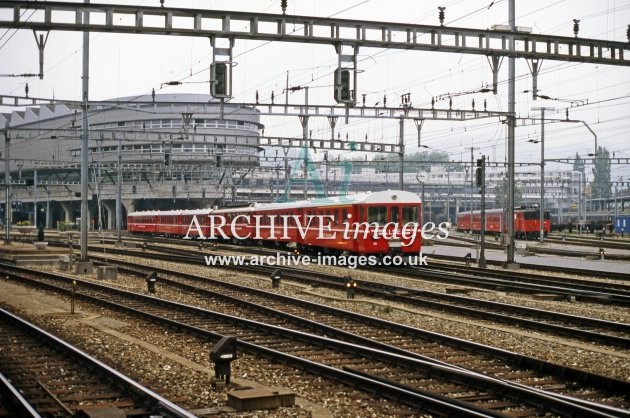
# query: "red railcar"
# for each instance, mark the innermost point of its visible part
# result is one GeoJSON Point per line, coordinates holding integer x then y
{"type": "Point", "coordinates": [372, 223]}
{"type": "Point", "coordinates": [526, 222]}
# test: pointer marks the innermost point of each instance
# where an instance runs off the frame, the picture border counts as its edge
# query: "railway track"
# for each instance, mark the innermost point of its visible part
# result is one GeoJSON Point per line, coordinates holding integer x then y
{"type": "Point", "coordinates": [518, 282]}
{"type": "Point", "coordinates": [570, 326]}
{"type": "Point", "coordinates": [593, 242]}
{"type": "Point", "coordinates": [524, 283]}
{"type": "Point", "coordinates": [413, 379]}
{"type": "Point", "coordinates": [595, 245]}
{"type": "Point", "coordinates": [537, 279]}
{"type": "Point", "coordinates": [562, 286]}
{"type": "Point", "coordinates": [51, 378]}
{"type": "Point", "coordinates": [547, 268]}
{"type": "Point", "coordinates": [13, 403]}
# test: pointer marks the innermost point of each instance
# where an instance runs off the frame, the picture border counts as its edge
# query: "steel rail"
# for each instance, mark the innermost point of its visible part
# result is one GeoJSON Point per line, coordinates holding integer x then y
{"type": "Point", "coordinates": [149, 397]}
{"type": "Point", "coordinates": [524, 394]}
{"type": "Point", "coordinates": [554, 369]}
{"type": "Point", "coordinates": [13, 400]}
{"type": "Point", "coordinates": [422, 298]}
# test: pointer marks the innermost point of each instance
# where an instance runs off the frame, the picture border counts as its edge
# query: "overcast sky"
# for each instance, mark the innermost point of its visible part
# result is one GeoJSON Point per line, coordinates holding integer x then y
{"type": "Point", "coordinates": [128, 65]}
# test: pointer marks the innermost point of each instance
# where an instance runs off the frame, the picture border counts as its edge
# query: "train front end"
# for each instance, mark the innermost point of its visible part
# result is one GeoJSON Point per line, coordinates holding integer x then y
{"type": "Point", "coordinates": [390, 224]}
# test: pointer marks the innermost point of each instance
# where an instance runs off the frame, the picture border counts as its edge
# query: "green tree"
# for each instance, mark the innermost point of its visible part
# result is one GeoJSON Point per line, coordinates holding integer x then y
{"type": "Point", "coordinates": [579, 164]}
{"type": "Point", "coordinates": [601, 174]}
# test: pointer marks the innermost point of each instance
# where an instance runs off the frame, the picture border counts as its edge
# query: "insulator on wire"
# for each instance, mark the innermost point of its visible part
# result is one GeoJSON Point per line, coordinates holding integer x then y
{"type": "Point", "coordinates": [628, 33]}
{"type": "Point", "coordinates": [485, 104]}
{"type": "Point", "coordinates": [272, 97]}
{"type": "Point", "coordinates": [26, 89]}
{"type": "Point", "coordinates": [256, 96]}
{"type": "Point", "coordinates": [441, 15]}
{"type": "Point", "coordinates": [576, 26]}
{"type": "Point", "coordinates": [283, 5]}
{"type": "Point", "coordinates": [473, 104]}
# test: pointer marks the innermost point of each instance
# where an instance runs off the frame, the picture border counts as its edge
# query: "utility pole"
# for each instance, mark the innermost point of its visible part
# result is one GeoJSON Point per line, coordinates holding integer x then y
{"type": "Point", "coordinates": [35, 197]}
{"type": "Point", "coordinates": [304, 122]}
{"type": "Point", "coordinates": [84, 139]}
{"type": "Point", "coordinates": [422, 179]}
{"type": "Point", "coordinates": [7, 186]}
{"type": "Point", "coordinates": [481, 181]}
{"type": "Point", "coordinates": [401, 155]}
{"type": "Point", "coordinates": [448, 194]}
{"type": "Point", "coordinates": [542, 172]}
{"type": "Point", "coordinates": [119, 194]}
{"type": "Point", "coordinates": [47, 225]}
{"type": "Point", "coordinates": [511, 122]}
{"type": "Point", "coordinates": [472, 188]}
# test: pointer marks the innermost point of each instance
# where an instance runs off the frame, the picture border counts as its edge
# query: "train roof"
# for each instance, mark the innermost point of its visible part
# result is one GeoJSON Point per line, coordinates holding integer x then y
{"type": "Point", "coordinates": [491, 211]}
{"type": "Point", "coordinates": [384, 197]}
{"type": "Point", "coordinates": [171, 212]}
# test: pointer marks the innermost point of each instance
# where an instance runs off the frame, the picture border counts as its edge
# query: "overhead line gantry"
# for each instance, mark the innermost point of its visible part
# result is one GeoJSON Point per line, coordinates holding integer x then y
{"type": "Point", "coordinates": [318, 30]}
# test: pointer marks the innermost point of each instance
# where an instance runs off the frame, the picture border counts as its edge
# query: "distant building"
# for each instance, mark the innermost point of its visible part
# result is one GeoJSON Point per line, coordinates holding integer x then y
{"type": "Point", "coordinates": [177, 150]}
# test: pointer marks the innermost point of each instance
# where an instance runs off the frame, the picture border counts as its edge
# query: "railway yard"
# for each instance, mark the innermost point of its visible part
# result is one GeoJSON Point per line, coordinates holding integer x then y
{"type": "Point", "coordinates": [442, 339]}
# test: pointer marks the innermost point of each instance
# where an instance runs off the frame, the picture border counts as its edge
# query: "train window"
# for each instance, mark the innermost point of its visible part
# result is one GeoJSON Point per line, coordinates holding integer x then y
{"type": "Point", "coordinates": [377, 214]}
{"type": "Point", "coordinates": [361, 214]}
{"type": "Point", "coordinates": [531, 215]}
{"type": "Point", "coordinates": [344, 216]}
{"type": "Point", "coordinates": [394, 214]}
{"type": "Point", "coordinates": [409, 214]}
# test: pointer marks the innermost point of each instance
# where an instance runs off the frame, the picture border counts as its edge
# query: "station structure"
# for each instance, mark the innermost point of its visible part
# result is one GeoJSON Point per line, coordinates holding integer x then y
{"type": "Point", "coordinates": [168, 156]}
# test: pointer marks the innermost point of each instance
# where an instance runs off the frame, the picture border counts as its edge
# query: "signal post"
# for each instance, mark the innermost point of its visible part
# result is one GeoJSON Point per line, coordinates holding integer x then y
{"type": "Point", "coordinates": [480, 177]}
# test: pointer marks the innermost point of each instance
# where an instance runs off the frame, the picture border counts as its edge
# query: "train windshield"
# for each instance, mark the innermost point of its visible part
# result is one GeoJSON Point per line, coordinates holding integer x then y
{"type": "Point", "coordinates": [377, 214]}
{"type": "Point", "coordinates": [532, 215]}
{"type": "Point", "coordinates": [409, 214]}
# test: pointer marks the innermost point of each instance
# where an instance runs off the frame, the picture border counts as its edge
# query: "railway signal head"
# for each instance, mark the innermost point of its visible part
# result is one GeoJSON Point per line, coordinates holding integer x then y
{"type": "Point", "coordinates": [479, 172]}
{"type": "Point", "coordinates": [220, 82]}
{"type": "Point", "coordinates": [343, 91]}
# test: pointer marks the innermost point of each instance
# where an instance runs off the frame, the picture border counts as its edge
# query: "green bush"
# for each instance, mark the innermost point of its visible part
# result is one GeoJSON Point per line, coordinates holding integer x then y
{"type": "Point", "coordinates": [40, 234]}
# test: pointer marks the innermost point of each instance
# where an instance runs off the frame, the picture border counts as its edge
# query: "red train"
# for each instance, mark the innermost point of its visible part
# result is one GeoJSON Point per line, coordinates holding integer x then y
{"type": "Point", "coordinates": [526, 222]}
{"type": "Point", "coordinates": [381, 223]}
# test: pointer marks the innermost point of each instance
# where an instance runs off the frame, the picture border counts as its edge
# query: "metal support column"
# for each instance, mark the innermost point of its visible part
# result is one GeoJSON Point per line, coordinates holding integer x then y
{"type": "Point", "coordinates": [47, 224]}
{"type": "Point", "coordinates": [35, 197]}
{"type": "Point", "coordinates": [304, 122]}
{"type": "Point", "coordinates": [119, 194]}
{"type": "Point", "coordinates": [542, 175]}
{"type": "Point", "coordinates": [84, 140]}
{"type": "Point", "coordinates": [401, 155]}
{"type": "Point", "coordinates": [419, 124]}
{"type": "Point", "coordinates": [482, 238]}
{"type": "Point", "coordinates": [472, 188]}
{"type": "Point", "coordinates": [7, 187]}
{"type": "Point", "coordinates": [511, 119]}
